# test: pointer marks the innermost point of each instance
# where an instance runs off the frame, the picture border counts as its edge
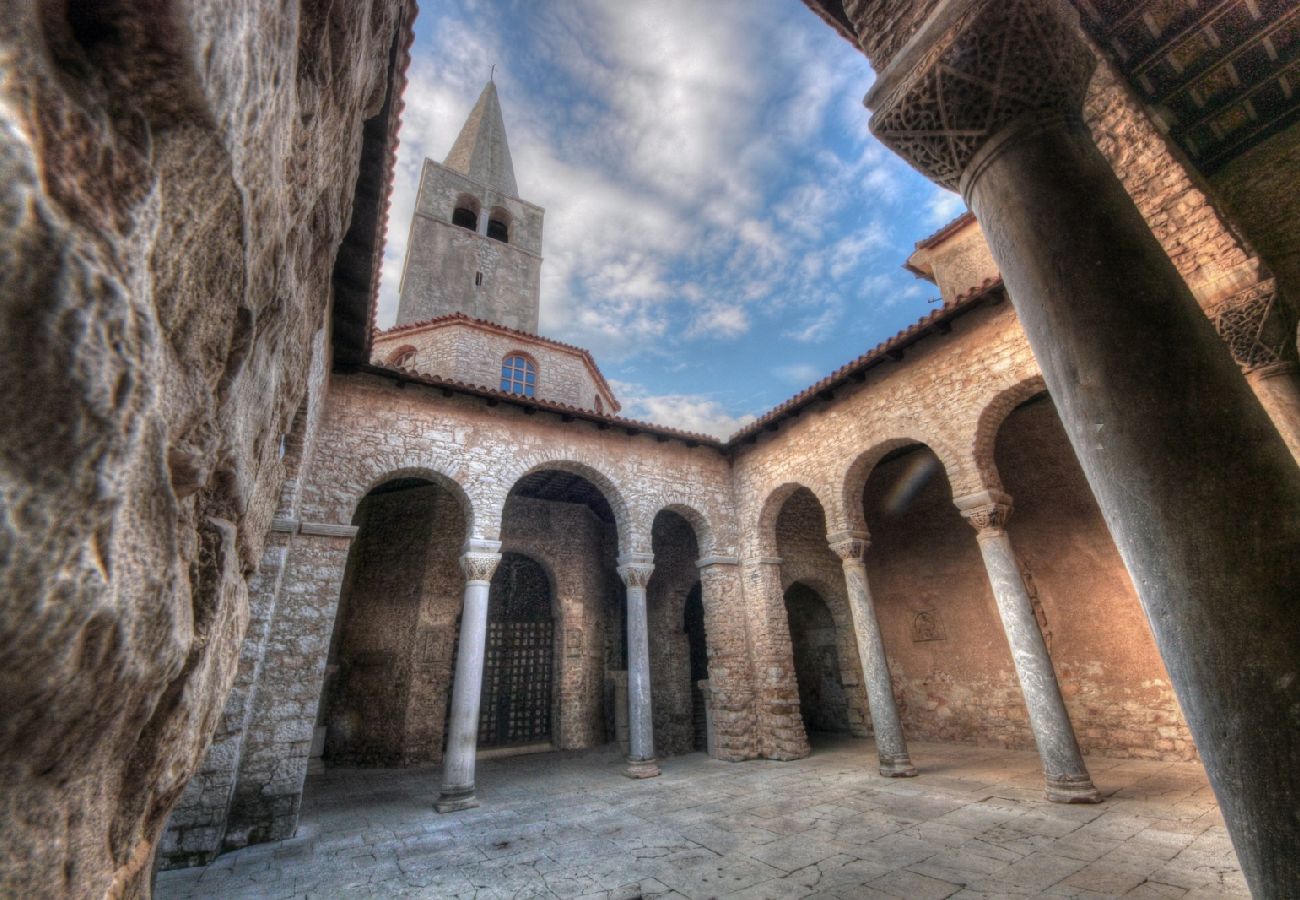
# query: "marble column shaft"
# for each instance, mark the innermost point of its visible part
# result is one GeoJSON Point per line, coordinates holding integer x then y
{"type": "Point", "coordinates": [457, 792]}
{"type": "Point", "coordinates": [635, 570]}
{"type": "Point", "coordinates": [1064, 772]}
{"type": "Point", "coordinates": [891, 747]}
{"type": "Point", "coordinates": [1197, 487]}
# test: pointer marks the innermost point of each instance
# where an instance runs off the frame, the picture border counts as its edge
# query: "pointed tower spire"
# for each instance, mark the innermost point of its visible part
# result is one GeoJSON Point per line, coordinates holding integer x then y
{"type": "Point", "coordinates": [481, 151]}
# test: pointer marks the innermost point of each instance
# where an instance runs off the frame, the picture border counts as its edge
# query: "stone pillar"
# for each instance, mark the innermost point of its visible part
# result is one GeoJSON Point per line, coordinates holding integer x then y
{"type": "Point", "coordinates": [850, 547]}
{"type": "Point", "coordinates": [1198, 489]}
{"type": "Point", "coordinates": [730, 698]}
{"type": "Point", "coordinates": [780, 725]}
{"type": "Point", "coordinates": [635, 568]}
{"type": "Point", "coordinates": [285, 698]}
{"type": "Point", "coordinates": [710, 742]}
{"type": "Point", "coordinates": [1064, 772]}
{"type": "Point", "coordinates": [1261, 335]}
{"type": "Point", "coordinates": [478, 563]}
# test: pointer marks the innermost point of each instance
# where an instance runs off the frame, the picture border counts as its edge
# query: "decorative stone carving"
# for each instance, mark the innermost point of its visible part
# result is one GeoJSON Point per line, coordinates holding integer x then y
{"type": "Point", "coordinates": [636, 575]}
{"type": "Point", "coordinates": [927, 626]}
{"type": "Point", "coordinates": [479, 566]}
{"type": "Point", "coordinates": [1256, 326]}
{"type": "Point", "coordinates": [849, 545]}
{"type": "Point", "coordinates": [995, 61]}
{"type": "Point", "coordinates": [989, 518]}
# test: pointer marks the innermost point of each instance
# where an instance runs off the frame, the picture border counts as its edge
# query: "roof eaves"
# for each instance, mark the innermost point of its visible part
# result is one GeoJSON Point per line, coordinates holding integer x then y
{"type": "Point", "coordinates": [632, 426]}
{"type": "Point", "coordinates": [909, 335]}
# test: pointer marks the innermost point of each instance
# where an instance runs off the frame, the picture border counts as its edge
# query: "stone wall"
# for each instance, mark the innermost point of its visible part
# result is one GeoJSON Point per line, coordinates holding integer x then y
{"type": "Point", "coordinates": [167, 263]}
{"type": "Point", "coordinates": [472, 354]}
{"type": "Point", "coordinates": [675, 552]}
{"type": "Point", "coordinates": [1114, 682]}
{"type": "Point", "coordinates": [953, 673]}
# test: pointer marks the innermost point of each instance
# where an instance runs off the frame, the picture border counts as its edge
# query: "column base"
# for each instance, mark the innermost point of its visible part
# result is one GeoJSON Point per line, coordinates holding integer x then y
{"type": "Point", "coordinates": [454, 800]}
{"type": "Point", "coordinates": [1072, 789]}
{"type": "Point", "coordinates": [899, 766]}
{"type": "Point", "coordinates": [641, 768]}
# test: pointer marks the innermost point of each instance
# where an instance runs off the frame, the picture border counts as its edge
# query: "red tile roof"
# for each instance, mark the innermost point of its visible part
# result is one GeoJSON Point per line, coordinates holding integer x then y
{"type": "Point", "coordinates": [857, 368]}
{"type": "Point", "coordinates": [946, 231]}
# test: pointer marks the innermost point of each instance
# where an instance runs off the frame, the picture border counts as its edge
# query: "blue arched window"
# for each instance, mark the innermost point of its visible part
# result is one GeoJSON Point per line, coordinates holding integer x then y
{"type": "Point", "coordinates": [518, 374]}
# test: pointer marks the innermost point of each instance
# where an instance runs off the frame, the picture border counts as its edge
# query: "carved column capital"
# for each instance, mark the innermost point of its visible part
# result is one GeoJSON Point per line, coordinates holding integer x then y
{"type": "Point", "coordinates": [1257, 327]}
{"type": "Point", "coordinates": [971, 69]}
{"type": "Point", "coordinates": [635, 569]}
{"type": "Point", "coordinates": [989, 519]}
{"type": "Point", "coordinates": [849, 546]}
{"type": "Point", "coordinates": [478, 565]}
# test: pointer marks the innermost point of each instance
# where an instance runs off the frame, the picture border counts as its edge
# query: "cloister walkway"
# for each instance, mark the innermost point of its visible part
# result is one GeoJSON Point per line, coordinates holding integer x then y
{"type": "Point", "coordinates": [568, 824]}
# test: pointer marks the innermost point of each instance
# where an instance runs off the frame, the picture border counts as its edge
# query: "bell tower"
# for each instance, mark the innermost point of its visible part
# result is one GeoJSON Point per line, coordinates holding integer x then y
{"type": "Point", "coordinates": [474, 246]}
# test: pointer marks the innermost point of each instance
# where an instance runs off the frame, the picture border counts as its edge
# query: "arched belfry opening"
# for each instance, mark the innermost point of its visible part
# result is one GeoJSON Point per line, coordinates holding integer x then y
{"type": "Point", "coordinates": [391, 653]}
{"type": "Point", "coordinates": [519, 663]}
{"type": "Point", "coordinates": [556, 613]}
{"type": "Point", "coordinates": [823, 702]}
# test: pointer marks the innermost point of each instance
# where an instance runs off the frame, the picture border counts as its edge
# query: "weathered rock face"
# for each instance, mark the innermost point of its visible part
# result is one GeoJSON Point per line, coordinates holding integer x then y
{"type": "Point", "coordinates": [177, 179]}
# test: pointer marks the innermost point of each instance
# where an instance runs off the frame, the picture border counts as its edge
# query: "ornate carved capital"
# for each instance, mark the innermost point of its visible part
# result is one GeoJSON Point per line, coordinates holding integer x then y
{"type": "Point", "coordinates": [973, 68]}
{"type": "Point", "coordinates": [849, 545]}
{"type": "Point", "coordinates": [1257, 327]}
{"type": "Point", "coordinates": [635, 569]}
{"type": "Point", "coordinates": [990, 518]}
{"type": "Point", "coordinates": [479, 566]}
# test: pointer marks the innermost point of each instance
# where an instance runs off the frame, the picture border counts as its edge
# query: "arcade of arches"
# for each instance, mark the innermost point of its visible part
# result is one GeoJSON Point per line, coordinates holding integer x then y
{"type": "Point", "coordinates": [1060, 514]}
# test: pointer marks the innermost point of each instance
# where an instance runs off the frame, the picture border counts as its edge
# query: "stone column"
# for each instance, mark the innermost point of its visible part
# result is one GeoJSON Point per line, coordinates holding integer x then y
{"type": "Point", "coordinates": [635, 568]}
{"type": "Point", "coordinates": [478, 563]}
{"type": "Point", "coordinates": [851, 547]}
{"type": "Point", "coordinates": [1066, 776]}
{"type": "Point", "coordinates": [1193, 480]}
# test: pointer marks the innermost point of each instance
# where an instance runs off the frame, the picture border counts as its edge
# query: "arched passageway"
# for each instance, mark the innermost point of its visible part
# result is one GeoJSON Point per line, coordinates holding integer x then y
{"type": "Point", "coordinates": [952, 671]}
{"type": "Point", "coordinates": [827, 665]}
{"type": "Point", "coordinates": [1114, 683]}
{"type": "Point", "coordinates": [519, 662]}
{"type": "Point", "coordinates": [391, 654]}
{"type": "Point", "coordinates": [673, 666]}
{"type": "Point", "coordinates": [823, 703]}
{"type": "Point", "coordinates": [564, 525]}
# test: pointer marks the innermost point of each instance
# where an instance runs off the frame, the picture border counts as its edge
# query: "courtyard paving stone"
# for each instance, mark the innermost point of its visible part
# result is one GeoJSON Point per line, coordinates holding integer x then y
{"type": "Point", "coordinates": [569, 825]}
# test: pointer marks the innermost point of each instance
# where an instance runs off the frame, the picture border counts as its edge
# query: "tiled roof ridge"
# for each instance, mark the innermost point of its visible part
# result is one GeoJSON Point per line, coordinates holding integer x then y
{"type": "Point", "coordinates": [946, 231]}
{"type": "Point", "coordinates": [554, 406]}
{"type": "Point", "coordinates": [447, 318]}
{"type": "Point", "coordinates": [948, 310]}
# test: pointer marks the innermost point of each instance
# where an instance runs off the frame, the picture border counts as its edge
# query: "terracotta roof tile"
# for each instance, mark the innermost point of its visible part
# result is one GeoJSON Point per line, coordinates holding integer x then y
{"type": "Point", "coordinates": [946, 231]}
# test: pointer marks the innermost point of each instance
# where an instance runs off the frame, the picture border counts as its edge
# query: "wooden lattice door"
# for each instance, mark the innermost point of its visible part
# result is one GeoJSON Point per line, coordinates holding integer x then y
{"type": "Point", "coordinates": [517, 670]}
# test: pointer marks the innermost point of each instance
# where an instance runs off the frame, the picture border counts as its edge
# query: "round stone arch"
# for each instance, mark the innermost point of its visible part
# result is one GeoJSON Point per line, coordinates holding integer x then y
{"type": "Point", "coordinates": [441, 479]}
{"type": "Point", "coordinates": [630, 537]}
{"type": "Point", "coordinates": [847, 513]}
{"type": "Point", "coordinates": [704, 537]}
{"type": "Point", "coordinates": [987, 426]}
{"type": "Point", "coordinates": [764, 537]}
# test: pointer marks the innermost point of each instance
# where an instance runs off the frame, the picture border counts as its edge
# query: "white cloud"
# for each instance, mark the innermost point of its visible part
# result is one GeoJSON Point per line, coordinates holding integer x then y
{"type": "Point", "coordinates": [689, 412]}
{"type": "Point", "coordinates": [720, 322]}
{"type": "Point", "coordinates": [943, 206]}
{"type": "Point", "coordinates": [798, 373]}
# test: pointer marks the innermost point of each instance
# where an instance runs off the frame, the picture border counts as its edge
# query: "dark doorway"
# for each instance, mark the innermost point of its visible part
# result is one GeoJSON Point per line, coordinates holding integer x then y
{"type": "Point", "coordinates": [822, 701]}
{"type": "Point", "coordinates": [519, 665]}
{"type": "Point", "coordinates": [699, 648]}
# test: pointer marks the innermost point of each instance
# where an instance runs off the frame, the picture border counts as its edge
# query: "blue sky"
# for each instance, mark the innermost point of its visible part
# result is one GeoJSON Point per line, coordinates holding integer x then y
{"type": "Point", "coordinates": [721, 229]}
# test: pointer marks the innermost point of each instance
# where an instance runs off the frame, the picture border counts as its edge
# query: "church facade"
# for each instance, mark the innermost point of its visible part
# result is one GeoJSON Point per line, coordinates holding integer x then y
{"type": "Point", "coordinates": [474, 551]}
